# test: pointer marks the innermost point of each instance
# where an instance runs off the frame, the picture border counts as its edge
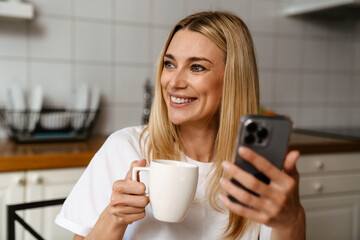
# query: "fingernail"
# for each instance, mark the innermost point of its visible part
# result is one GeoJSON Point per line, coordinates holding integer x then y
{"type": "Point", "coordinates": [222, 181]}
{"type": "Point", "coordinates": [244, 151]}
{"type": "Point", "coordinates": [226, 165]}
{"type": "Point", "coordinates": [221, 197]}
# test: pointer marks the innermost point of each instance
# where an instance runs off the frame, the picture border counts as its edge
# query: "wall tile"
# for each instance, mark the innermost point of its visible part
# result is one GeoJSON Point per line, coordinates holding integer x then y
{"type": "Point", "coordinates": [309, 68]}
{"type": "Point", "coordinates": [355, 89]}
{"type": "Point", "coordinates": [264, 48]}
{"type": "Point", "coordinates": [315, 53]}
{"type": "Point", "coordinates": [342, 28]}
{"type": "Point", "coordinates": [355, 117]}
{"type": "Point", "coordinates": [159, 37]}
{"type": "Point", "coordinates": [92, 41]}
{"type": "Point", "coordinates": [262, 16]}
{"type": "Point", "coordinates": [55, 78]}
{"type": "Point", "coordinates": [266, 86]}
{"type": "Point", "coordinates": [132, 44]}
{"type": "Point", "coordinates": [93, 8]}
{"type": "Point", "coordinates": [337, 116]}
{"type": "Point", "coordinates": [357, 54]}
{"type": "Point", "coordinates": [128, 116]}
{"type": "Point", "coordinates": [314, 88]}
{"type": "Point", "coordinates": [98, 76]}
{"type": "Point", "coordinates": [129, 84]}
{"type": "Point", "coordinates": [289, 53]}
{"type": "Point", "coordinates": [311, 117]}
{"type": "Point", "coordinates": [107, 122]}
{"type": "Point", "coordinates": [341, 54]}
{"type": "Point", "coordinates": [13, 39]}
{"type": "Point", "coordinates": [133, 10]}
{"type": "Point", "coordinates": [318, 27]}
{"type": "Point", "coordinates": [240, 8]}
{"type": "Point", "coordinates": [338, 88]}
{"type": "Point", "coordinates": [62, 7]}
{"type": "Point", "coordinates": [11, 72]}
{"type": "Point", "coordinates": [288, 25]}
{"type": "Point", "coordinates": [50, 38]}
{"type": "Point", "coordinates": [291, 112]}
{"type": "Point", "coordinates": [168, 12]}
{"type": "Point", "coordinates": [286, 88]}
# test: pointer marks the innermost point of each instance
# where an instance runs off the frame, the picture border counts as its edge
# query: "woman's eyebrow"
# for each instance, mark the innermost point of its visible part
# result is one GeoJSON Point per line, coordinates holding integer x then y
{"type": "Point", "coordinates": [169, 56]}
{"type": "Point", "coordinates": [190, 59]}
{"type": "Point", "coordinates": [195, 59]}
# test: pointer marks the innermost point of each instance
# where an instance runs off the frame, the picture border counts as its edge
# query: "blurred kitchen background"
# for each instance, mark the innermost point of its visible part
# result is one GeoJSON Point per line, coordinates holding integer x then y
{"type": "Point", "coordinates": [309, 66]}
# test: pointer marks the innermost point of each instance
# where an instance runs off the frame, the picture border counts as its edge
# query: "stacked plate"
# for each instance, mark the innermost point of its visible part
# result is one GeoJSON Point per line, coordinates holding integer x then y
{"type": "Point", "coordinates": [18, 108]}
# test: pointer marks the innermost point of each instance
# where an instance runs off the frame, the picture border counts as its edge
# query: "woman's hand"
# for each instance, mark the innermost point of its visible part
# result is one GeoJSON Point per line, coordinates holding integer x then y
{"type": "Point", "coordinates": [127, 205]}
{"type": "Point", "coordinates": [128, 200]}
{"type": "Point", "coordinates": [278, 204]}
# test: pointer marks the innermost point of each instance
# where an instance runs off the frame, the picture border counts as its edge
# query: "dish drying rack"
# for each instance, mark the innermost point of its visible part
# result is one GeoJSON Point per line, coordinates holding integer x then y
{"type": "Point", "coordinates": [48, 125]}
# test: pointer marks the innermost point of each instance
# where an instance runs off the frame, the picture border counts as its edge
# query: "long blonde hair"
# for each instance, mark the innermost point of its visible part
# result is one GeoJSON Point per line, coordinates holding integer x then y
{"type": "Point", "coordinates": [240, 95]}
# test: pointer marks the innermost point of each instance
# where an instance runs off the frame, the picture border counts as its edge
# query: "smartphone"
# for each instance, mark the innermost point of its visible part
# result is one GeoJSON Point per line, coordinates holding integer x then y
{"type": "Point", "coordinates": [266, 135]}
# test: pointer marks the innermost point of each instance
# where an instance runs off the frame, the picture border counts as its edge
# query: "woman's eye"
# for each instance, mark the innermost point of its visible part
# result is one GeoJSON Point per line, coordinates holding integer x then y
{"type": "Point", "coordinates": [197, 68]}
{"type": "Point", "coordinates": [168, 64]}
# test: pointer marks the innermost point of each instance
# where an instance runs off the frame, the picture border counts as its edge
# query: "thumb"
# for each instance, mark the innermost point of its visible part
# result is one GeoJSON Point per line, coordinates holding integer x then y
{"type": "Point", "coordinates": [290, 163]}
{"type": "Point", "coordinates": [140, 163]}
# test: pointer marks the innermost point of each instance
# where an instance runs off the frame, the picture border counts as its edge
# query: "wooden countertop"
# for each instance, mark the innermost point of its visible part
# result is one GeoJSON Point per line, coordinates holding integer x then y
{"type": "Point", "coordinates": [310, 144]}
{"type": "Point", "coordinates": [20, 157]}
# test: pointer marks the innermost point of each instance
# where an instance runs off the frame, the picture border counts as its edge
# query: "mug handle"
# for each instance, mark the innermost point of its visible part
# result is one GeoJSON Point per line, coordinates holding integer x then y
{"type": "Point", "coordinates": [135, 171]}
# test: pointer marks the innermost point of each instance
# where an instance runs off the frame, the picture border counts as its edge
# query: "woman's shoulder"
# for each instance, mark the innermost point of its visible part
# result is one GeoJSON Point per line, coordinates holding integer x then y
{"type": "Point", "coordinates": [127, 133]}
{"type": "Point", "coordinates": [126, 140]}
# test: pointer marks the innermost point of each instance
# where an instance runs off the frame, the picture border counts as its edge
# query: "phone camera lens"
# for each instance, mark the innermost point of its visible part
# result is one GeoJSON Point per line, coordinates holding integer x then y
{"type": "Point", "coordinates": [251, 127]}
{"type": "Point", "coordinates": [249, 139]}
{"type": "Point", "coordinates": [262, 133]}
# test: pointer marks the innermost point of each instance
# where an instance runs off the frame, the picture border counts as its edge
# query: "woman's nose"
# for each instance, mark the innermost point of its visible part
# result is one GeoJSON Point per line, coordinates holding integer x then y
{"type": "Point", "coordinates": [178, 79]}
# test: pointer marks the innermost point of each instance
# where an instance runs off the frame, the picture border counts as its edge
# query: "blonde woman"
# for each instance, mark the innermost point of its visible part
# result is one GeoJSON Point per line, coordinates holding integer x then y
{"type": "Point", "coordinates": [206, 80]}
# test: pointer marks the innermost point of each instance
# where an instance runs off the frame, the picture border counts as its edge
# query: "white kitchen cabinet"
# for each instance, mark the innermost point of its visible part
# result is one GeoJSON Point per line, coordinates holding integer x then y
{"type": "Point", "coordinates": [330, 194]}
{"type": "Point", "coordinates": [11, 192]}
{"type": "Point", "coordinates": [32, 186]}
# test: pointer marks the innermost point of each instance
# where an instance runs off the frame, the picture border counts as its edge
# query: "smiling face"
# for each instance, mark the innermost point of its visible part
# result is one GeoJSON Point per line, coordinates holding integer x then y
{"type": "Point", "coordinates": [192, 79]}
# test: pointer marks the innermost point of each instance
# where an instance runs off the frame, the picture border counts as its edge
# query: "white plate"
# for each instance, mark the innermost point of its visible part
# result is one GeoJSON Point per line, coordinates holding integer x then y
{"type": "Point", "coordinates": [94, 104]}
{"type": "Point", "coordinates": [17, 106]}
{"type": "Point", "coordinates": [55, 120]}
{"type": "Point", "coordinates": [80, 105]}
{"type": "Point", "coordinates": [35, 104]}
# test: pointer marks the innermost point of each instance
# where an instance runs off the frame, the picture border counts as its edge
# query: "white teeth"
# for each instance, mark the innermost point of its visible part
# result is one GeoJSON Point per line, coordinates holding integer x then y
{"type": "Point", "coordinates": [181, 100]}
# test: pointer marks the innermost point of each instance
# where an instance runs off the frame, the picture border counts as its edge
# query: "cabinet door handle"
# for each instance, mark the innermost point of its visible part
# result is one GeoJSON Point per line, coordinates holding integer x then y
{"type": "Point", "coordinates": [21, 181]}
{"type": "Point", "coordinates": [39, 180]}
{"type": "Point", "coordinates": [319, 165]}
{"type": "Point", "coordinates": [318, 187]}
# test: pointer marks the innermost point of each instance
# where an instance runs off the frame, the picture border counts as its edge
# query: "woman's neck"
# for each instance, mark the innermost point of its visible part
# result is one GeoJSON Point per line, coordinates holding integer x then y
{"type": "Point", "coordinates": [199, 142]}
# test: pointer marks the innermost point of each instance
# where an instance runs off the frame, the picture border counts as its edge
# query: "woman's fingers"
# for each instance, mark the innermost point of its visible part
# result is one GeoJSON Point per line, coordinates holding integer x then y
{"type": "Point", "coordinates": [128, 200]}
{"type": "Point", "coordinates": [249, 181]}
{"type": "Point", "coordinates": [129, 187]}
{"type": "Point", "coordinates": [245, 197]}
{"type": "Point", "coordinates": [140, 163]}
{"type": "Point", "coordinates": [130, 218]}
{"type": "Point", "coordinates": [260, 163]}
{"type": "Point", "coordinates": [278, 202]}
{"type": "Point", "coordinates": [290, 163]}
{"type": "Point", "coordinates": [244, 211]}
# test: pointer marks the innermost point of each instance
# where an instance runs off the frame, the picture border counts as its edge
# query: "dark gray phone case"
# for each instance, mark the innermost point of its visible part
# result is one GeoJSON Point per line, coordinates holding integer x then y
{"type": "Point", "coordinates": [269, 137]}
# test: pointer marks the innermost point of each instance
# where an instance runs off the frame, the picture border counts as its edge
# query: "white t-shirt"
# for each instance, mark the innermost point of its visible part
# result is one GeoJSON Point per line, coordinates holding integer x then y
{"type": "Point", "coordinates": [92, 192]}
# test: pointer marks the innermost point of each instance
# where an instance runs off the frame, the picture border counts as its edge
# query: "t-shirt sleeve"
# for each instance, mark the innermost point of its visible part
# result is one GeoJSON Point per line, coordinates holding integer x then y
{"type": "Point", "coordinates": [91, 194]}
{"type": "Point", "coordinates": [265, 232]}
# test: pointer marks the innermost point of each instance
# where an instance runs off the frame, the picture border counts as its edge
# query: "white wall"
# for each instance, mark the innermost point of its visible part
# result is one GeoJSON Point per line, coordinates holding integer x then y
{"type": "Point", "coordinates": [309, 69]}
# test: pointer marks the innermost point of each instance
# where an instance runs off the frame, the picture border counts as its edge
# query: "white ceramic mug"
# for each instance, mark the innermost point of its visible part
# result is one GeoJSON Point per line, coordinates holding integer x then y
{"type": "Point", "coordinates": [172, 187]}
